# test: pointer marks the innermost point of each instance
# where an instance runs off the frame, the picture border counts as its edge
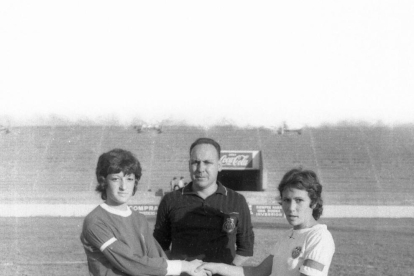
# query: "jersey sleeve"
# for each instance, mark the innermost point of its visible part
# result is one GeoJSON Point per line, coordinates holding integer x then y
{"type": "Point", "coordinates": [162, 228]}
{"type": "Point", "coordinates": [245, 234]}
{"type": "Point", "coordinates": [154, 248]}
{"type": "Point", "coordinates": [318, 254]}
{"type": "Point", "coordinates": [120, 254]}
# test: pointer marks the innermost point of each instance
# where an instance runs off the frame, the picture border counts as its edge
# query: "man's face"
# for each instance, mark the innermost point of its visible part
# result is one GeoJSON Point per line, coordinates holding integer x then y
{"type": "Point", "coordinates": [204, 166]}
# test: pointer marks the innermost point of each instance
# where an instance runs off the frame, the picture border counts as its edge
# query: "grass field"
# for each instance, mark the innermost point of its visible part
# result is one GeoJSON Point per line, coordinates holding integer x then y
{"type": "Point", "coordinates": [51, 246]}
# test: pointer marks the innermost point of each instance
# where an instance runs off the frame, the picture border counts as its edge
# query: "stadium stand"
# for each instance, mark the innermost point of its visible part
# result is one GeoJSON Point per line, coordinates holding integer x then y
{"type": "Point", "coordinates": [357, 163]}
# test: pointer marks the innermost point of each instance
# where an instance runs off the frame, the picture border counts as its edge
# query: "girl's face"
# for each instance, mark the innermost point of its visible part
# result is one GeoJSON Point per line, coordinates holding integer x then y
{"type": "Point", "coordinates": [119, 189]}
{"type": "Point", "coordinates": [296, 205]}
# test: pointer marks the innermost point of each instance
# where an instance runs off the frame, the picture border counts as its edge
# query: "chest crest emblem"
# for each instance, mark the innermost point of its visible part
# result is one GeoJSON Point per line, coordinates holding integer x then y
{"type": "Point", "coordinates": [229, 225]}
{"type": "Point", "coordinates": [296, 252]}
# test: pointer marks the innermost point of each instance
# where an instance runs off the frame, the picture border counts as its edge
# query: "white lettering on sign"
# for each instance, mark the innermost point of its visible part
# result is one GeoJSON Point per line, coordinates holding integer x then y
{"type": "Point", "coordinates": [146, 213]}
{"type": "Point", "coordinates": [267, 211]}
{"type": "Point", "coordinates": [235, 161]}
{"type": "Point", "coordinates": [263, 207]}
{"type": "Point", "coordinates": [144, 208]}
{"type": "Point", "coordinates": [268, 215]}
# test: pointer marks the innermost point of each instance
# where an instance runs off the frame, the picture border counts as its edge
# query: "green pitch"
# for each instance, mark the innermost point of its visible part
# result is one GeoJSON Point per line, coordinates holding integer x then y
{"type": "Point", "coordinates": [50, 246]}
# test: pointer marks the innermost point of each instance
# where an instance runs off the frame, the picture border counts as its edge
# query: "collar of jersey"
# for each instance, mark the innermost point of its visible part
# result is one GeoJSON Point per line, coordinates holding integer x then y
{"type": "Point", "coordinates": [114, 211]}
{"type": "Point", "coordinates": [187, 190]}
{"type": "Point", "coordinates": [313, 228]}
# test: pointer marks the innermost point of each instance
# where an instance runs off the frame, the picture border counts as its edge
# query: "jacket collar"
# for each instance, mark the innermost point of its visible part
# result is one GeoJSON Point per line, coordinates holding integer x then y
{"type": "Point", "coordinates": [188, 190]}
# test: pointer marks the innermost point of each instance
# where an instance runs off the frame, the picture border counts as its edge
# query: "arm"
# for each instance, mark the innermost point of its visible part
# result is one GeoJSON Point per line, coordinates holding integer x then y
{"type": "Point", "coordinates": [264, 269]}
{"type": "Point", "coordinates": [239, 260]}
{"type": "Point", "coordinates": [119, 255]}
{"type": "Point", "coordinates": [125, 259]}
{"type": "Point", "coordinates": [192, 268]}
{"type": "Point", "coordinates": [162, 228]}
{"type": "Point", "coordinates": [174, 267]}
{"type": "Point", "coordinates": [318, 253]}
{"type": "Point", "coordinates": [245, 234]}
{"type": "Point", "coordinates": [168, 254]}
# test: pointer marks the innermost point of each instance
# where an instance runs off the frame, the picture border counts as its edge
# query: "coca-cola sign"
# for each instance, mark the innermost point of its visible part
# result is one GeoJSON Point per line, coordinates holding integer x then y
{"type": "Point", "coordinates": [237, 159]}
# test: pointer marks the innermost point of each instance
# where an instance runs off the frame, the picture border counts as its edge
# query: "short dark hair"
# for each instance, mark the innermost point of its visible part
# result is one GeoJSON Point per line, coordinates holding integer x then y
{"type": "Point", "coordinates": [301, 179]}
{"type": "Point", "coordinates": [208, 141]}
{"type": "Point", "coordinates": [116, 161]}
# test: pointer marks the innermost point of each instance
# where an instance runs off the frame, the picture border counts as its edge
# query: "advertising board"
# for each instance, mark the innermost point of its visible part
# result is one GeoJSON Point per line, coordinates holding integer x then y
{"type": "Point", "coordinates": [145, 209]}
{"type": "Point", "coordinates": [240, 160]}
{"type": "Point", "coordinates": [255, 210]}
{"type": "Point", "coordinates": [266, 210]}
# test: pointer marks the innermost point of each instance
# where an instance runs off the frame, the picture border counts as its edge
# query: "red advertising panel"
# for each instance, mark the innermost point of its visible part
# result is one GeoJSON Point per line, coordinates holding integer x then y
{"type": "Point", "coordinates": [236, 159]}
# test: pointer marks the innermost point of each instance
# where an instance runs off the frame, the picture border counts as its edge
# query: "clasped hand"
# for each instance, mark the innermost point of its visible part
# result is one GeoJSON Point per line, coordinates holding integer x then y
{"type": "Point", "coordinates": [206, 269]}
{"type": "Point", "coordinates": [194, 268]}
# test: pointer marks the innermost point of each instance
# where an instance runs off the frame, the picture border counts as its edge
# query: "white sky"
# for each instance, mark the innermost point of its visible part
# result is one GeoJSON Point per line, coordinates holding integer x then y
{"type": "Point", "coordinates": [206, 62]}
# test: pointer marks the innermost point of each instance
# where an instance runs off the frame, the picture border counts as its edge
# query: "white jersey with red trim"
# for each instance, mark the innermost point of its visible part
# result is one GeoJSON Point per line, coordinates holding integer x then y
{"type": "Point", "coordinates": [308, 251]}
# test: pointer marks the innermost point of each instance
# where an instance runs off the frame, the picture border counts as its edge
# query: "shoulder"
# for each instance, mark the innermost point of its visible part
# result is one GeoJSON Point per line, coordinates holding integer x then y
{"type": "Point", "coordinates": [320, 234]}
{"type": "Point", "coordinates": [320, 230]}
{"type": "Point", "coordinates": [95, 222]}
{"type": "Point", "coordinates": [102, 217]}
{"type": "Point", "coordinates": [169, 201]}
{"type": "Point", "coordinates": [172, 196]}
{"type": "Point", "coordinates": [319, 245]}
{"type": "Point", "coordinates": [235, 195]}
{"type": "Point", "coordinates": [95, 215]}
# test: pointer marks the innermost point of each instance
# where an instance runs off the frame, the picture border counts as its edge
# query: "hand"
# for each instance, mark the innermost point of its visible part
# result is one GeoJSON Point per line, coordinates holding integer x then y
{"type": "Point", "coordinates": [168, 254]}
{"type": "Point", "coordinates": [223, 269]}
{"type": "Point", "coordinates": [201, 272]}
{"type": "Point", "coordinates": [213, 268]}
{"type": "Point", "coordinates": [239, 260]}
{"type": "Point", "coordinates": [191, 268]}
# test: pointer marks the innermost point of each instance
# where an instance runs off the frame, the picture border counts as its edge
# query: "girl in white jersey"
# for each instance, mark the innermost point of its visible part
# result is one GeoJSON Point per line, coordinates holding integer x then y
{"type": "Point", "coordinates": [308, 247]}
